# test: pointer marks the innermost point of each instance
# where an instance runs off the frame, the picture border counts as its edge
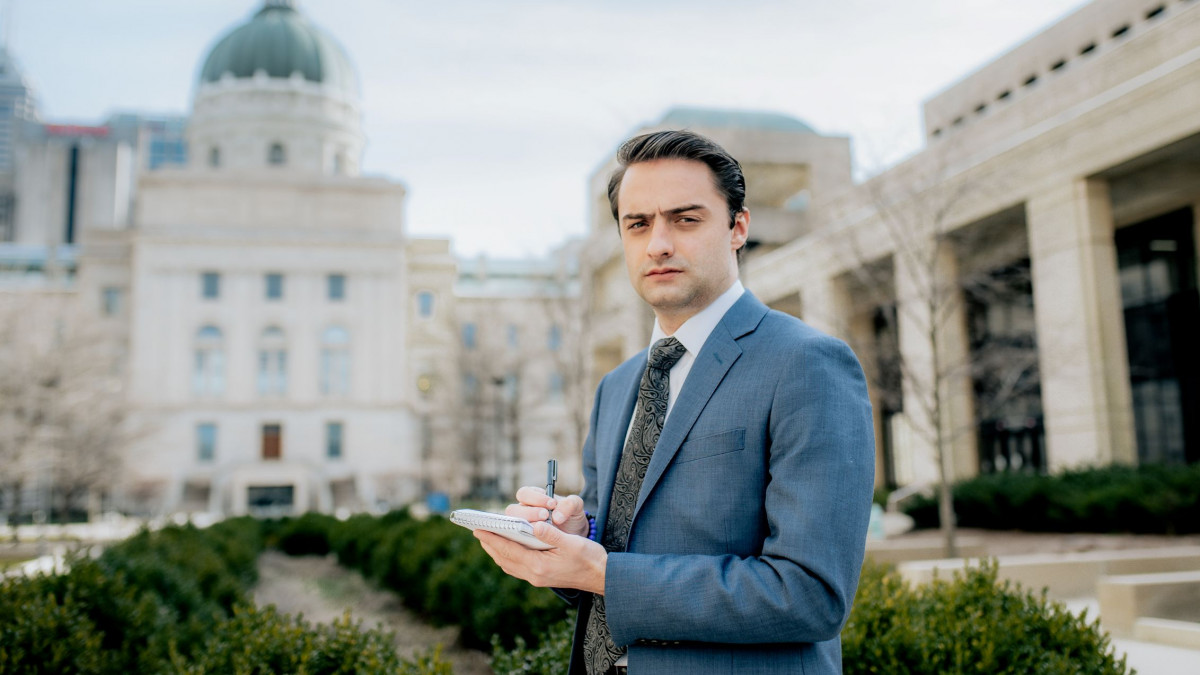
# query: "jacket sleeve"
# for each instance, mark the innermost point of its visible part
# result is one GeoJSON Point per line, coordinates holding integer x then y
{"type": "Point", "coordinates": [821, 462]}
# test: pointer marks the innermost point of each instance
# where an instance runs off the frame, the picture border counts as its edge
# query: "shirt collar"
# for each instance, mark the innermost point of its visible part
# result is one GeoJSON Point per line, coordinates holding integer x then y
{"type": "Point", "coordinates": [695, 331]}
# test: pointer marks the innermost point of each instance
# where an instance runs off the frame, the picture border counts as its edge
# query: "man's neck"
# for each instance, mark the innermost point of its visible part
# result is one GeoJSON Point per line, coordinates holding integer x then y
{"type": "Point", "coordinates": [670, 323]}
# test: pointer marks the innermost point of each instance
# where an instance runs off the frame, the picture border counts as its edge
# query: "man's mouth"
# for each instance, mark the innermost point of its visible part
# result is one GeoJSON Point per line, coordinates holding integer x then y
{"type": "Point", "coordinates": [663, 271]}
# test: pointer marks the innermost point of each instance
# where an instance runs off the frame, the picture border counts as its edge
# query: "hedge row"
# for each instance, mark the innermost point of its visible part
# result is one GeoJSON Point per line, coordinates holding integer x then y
{"type": "Point", "coordinates": [1147, 499]}
{"type": "Point", "coordinates": [176, 601]}
{"type": "Point", "coordinates": [437, 568]}
{"type": "Point", "coordinates": [970, 624]}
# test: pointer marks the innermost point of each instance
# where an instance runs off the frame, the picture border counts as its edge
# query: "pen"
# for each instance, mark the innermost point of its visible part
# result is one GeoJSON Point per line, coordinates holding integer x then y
{"type": "Point", "coordinates": [551, 476]}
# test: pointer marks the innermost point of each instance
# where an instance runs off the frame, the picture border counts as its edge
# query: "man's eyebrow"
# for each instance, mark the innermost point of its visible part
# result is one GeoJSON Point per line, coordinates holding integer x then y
{"type": "Point", "coordinates": [673, 212]}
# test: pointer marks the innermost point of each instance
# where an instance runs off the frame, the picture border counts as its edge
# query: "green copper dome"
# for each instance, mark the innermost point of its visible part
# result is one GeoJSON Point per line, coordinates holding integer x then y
{"type": "Point", "coordinates": [280, 41]}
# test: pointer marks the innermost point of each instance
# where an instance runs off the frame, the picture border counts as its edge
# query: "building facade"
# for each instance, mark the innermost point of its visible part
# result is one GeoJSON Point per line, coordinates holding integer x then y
{"type": "Point", "coordinates": [283, 345]}
{"type": "Point", "coordinates": [1022, 291]}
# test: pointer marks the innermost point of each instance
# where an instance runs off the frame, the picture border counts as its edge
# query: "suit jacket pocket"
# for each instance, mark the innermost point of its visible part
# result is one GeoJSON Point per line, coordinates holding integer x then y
{"type": "Point", "coordinates": [711, 445]}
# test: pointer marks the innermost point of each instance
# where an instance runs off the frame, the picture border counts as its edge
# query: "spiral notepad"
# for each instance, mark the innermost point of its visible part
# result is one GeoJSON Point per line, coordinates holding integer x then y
{"type": "Point", "coordinates": [516, 529]}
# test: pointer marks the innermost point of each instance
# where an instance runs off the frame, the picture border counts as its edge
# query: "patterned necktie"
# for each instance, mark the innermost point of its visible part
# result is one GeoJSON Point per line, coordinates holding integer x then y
{"type": "Point", "coordinates": [599, 651]}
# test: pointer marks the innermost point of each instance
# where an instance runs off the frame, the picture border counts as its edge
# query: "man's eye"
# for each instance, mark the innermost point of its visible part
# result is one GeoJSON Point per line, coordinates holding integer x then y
{"type": "Point", "coordinates": [634, 226]}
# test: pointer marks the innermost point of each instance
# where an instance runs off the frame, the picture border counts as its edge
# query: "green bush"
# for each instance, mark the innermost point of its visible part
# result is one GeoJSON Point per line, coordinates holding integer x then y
{"type": "Point", "coordinates": [258, 640]}
{"type": "Point", "coordinates": [306, 535]}
{"type": "Point", "coordinates": [971, 623]}
{"type": "Point", "coordinates": [1148, 499]}
{"type": "Point", "coordinates": [551, 655]}
{"type": "Point", "coordinates": [176, 601]}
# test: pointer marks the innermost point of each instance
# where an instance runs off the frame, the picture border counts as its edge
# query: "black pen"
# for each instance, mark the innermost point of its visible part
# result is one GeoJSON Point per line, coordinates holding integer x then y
{"type": "Point", "coordinates": [551, 476]}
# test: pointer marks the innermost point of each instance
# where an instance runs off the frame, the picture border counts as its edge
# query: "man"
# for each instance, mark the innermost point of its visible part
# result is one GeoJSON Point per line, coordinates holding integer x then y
{"type": "Point", "coordinates": [729, 467]}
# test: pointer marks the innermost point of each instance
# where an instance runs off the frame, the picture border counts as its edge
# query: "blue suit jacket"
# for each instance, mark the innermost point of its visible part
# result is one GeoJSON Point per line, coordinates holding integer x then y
{"type": "Point", "coordinates": [749, 530]}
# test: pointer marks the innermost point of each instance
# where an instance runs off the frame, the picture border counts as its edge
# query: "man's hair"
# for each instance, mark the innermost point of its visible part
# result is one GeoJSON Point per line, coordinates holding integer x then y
{"type": "Point", "coordinates": [727, 173]}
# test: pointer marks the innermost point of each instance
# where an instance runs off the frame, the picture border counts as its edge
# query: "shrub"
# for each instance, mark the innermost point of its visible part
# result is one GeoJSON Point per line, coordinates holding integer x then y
{"type": "Point", "coordinates": [1148, 499]}
{"type": "Point", "coordinates": [971, 623]}
{"type": "Point", "coordinates": [258, 640]}
{"type": "Point", "coordinates": [176, 601]}
{"type": "Point", "coordinates": [306, 535]}
{"type": "Point", "coordinates": [551, 655]}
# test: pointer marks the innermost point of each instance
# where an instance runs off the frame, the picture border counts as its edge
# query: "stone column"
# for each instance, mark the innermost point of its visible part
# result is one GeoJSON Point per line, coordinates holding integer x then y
{"type": "Point", "coordinates": [825, 305]}
{"type": "Point", "coordinates": [931, 314]}
{"type": "Point", "coordinates": [1080, 326]}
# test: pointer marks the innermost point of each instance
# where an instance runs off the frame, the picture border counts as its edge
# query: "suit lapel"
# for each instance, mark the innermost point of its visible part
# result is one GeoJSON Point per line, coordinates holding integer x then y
{"type": "Point", "coordinates": [715, 359]}
{"type": "Point", "coordinates": [617, 421]}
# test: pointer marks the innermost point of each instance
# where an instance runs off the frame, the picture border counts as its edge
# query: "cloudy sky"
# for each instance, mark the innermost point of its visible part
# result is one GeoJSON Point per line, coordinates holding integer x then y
{"type": "Point", "coordinates": [494, 112]}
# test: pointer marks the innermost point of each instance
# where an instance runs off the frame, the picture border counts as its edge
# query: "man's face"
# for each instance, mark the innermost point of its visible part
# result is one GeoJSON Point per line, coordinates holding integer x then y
{"type": "Point", "coordinates": [679, 249]}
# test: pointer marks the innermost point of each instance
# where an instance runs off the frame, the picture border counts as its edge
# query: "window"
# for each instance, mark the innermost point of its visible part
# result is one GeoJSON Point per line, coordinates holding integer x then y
{"type": "Point", "coordinates": [514, 336]}
{"type": "Point", "coordinates": [276, 156]}
{"type": "Point", "coordinates": [274, 282]}
{"type": "Point", "coordinates": [206, 441]}
{"type": "Point", "coordinates": [339, 164]}
{"type": "Point", "coordinates": [554, 338]}
{"type": "Point", "coordinates": [272, 441]}
{"type": "Point", "coordinates": [8, 215]}
{"type": "Point", "coordinates": [335, 362]}
{"type": "Point", "coordinates": [468, 335]}
{"type": "Point", "coordinates": [208, 377]}
{"type": "Point", "coordinates": [272, 362]}
{"type": "Point", "coordinates": [556, 386]}
{"type": "Point", "coordinates": [425, 304]}
{"type": "Point", "coordinates": [336, 285]}
{"type": "Point", "coordinates": [333, 440]}
{"type": "Point", "coordinates": [470, 388]}
{"type": "Point", "coordinates": [210, 285]}
{"type": "Point", "coordinates": [214, 157]}
{"type": "Point", "coordinates": [110, 300]}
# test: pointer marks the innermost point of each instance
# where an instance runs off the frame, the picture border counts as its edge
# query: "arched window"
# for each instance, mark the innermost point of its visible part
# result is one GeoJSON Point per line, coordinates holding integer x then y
{"type": "Point", "coordinates": [208, 375]}
{"type": "Point", "coordinates": [214, 157]}
{"type": "Point", "coordinates": [272, 362]}
{"type": "Point", "coordinates": [335, 362]}
{"type": "Point", "coordinates": [276, 155]}
{"type": "Point", "coordinates": [339, 164]}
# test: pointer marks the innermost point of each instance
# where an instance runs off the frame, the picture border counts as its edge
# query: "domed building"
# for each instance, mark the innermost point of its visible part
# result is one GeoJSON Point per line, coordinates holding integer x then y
{"type": "Point", "coordinates": [279, 92]}
{"type": "Point", "coordinates": [268, 282]}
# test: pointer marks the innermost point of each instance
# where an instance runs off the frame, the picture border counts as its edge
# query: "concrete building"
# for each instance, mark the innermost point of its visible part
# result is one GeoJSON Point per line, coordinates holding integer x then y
{"type": "Point", "coordinates": [284, 345]}
{"type": "Point", "coordinates": [1022, 291]}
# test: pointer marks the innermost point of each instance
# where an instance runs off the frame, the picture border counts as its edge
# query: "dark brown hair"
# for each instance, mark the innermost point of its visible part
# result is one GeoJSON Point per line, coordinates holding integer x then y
{"type": "Point", "coordinates": [726, 172]}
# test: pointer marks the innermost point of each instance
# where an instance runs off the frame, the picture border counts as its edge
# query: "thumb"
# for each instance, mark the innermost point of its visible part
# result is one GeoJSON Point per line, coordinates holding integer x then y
{"type": "Point", "coordinates": [548, 533]}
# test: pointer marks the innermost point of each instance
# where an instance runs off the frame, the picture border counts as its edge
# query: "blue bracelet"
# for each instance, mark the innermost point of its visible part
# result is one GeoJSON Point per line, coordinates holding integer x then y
{"type": "Point", "coordinates": [591, 525]}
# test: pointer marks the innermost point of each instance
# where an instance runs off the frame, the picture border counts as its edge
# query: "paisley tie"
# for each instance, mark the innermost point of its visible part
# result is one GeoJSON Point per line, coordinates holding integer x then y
{"type": "Point", "coordinates": [600, 653]}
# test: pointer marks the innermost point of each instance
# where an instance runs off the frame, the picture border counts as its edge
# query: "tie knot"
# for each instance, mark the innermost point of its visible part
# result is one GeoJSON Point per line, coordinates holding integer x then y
{"type": "Point", "coordinates": [666, 353]}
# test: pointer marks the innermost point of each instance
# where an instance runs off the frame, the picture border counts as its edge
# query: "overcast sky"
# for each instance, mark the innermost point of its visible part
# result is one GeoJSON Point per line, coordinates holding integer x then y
{"type": "Point", "coordinates": [494, 112]}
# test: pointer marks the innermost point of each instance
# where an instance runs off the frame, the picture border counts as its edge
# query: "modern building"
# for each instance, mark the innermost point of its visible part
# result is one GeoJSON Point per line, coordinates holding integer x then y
{"type": "Point", "coordinates": [1022, 291]}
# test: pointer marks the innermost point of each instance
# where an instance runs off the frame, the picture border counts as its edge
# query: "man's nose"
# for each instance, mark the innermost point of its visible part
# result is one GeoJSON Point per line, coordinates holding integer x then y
{"type": "Point", "coordinates": [661, 244]}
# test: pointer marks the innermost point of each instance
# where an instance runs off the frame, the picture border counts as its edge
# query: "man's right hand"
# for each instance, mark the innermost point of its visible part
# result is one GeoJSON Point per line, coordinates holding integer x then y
{"type": "Point", "coordinates": [533, 505]}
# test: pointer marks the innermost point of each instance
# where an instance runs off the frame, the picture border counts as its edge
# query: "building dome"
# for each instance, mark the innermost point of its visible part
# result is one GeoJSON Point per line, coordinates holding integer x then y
{"type": "Point", "coordinates": [280, 41]}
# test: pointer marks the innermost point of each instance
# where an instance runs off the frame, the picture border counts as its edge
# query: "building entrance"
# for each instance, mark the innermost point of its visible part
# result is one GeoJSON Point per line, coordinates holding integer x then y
{"type": "Point", "coordinates": [1157, 261]}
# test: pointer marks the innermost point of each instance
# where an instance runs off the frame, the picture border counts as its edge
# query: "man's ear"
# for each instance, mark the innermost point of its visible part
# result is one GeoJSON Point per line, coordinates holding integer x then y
{"type": "Point", "coordinates": [741, 228]}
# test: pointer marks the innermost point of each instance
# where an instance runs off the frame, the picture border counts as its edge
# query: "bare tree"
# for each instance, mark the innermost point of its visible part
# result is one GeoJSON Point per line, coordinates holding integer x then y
{"type": "Point", "coordinates": [64, 419]}
{"type": "Point", "coordinates": [925, 283]}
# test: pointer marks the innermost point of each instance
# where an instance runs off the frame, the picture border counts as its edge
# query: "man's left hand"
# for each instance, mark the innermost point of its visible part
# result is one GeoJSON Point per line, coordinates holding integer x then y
{"type": "Point", "coordinates": [574, 562]}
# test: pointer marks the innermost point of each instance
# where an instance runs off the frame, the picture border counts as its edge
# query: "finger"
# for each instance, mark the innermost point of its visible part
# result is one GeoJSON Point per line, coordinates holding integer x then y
{"type": "Point", "coordinates": [530, 513]}
{"type": "Point", "coordinates": [532, 496]}
{"type": "Point", "coordinates": [572, 505]}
